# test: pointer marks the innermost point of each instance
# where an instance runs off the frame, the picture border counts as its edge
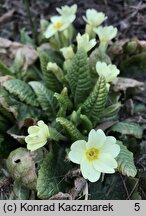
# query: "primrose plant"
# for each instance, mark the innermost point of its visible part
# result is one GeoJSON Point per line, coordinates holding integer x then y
{"type": "Point", "coordinates": [69, 99]}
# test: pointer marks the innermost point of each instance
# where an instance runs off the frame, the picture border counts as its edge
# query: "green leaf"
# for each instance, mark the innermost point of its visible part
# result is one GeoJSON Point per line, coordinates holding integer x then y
{"type": "Point", "coordinates": [70, 129]}
{"type": "Point", "coordinates": [19, 192]}
{"type": "Point", "coordinates": [26, 111]}
{"type": "Point", "coordinates": [79, 77]}
{"type": "Point", "coordinates": [50, 79]}
{"type": "Point", "coordinates": [51, 174]}
{"type": "Point", "coordinates": [19, 110]}
{"type": "Point", "coordinates": [18, 64]}
{"type": "Point", "coordinates": [55, 135]}
{"type": "Point", "coordinates": [4, 124]}
{"type": "Point", "coordinates": [45, 98]}
{"type": "Point", "coordinates": [6, 106]}
{"type": "Point", "coordinates": [25, 39]}
{"type": "Point", "coordinates": [112, 188]}
{"type": "Point", "coordinates": [4, 70]}
{"type": "Point", "coordinates": [75, 117]}
{"type": "Point", "coordinates": [86, 123]}
{"type": "Point", "coordinates": [64, 102]}
{"type": "Point", "coordinates": [125, 161]}
{"type": "Point", "coordinates": [47, 184]}
{"type": "Point", "coordinates": [111, 111]}
{"type": "Point", "coordinates": [128, 128]}
{"type": "Point", "coordinates": [5, 112]}
{"type": "Point", "coordinates": [95, 102]}
{"type": "Point", "coordinates": [21, 90]}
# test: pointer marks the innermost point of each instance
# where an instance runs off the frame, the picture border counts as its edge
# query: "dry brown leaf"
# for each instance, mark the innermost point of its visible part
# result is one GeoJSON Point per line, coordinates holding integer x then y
{"type": "Point", "coordinates": [6, 17]}
{"type": "Point", "coordinates": [61, 196]}
{"type": "Point", "coordinates": [4, 79]}
{"type": "Point", "coordinates": [8, 50]}
{"type": "Point", "coordinates": [117, 47]}
{"type": "Point", "coordinates": [78, 189]}
{"type": "Point", "coordinates": [21, 167]}
{"type": "Point", "coordinates": [122, 84]}
{"type": "Point", "coordinates": [72, 174]}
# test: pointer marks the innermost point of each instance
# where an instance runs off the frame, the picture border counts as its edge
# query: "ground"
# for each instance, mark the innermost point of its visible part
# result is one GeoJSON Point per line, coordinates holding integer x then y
{"type": "Point", "coordinates": [127, 15]}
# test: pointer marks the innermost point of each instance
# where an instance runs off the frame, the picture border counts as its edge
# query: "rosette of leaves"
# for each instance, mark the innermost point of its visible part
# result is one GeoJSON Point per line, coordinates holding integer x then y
{"type": "Point", "coordinates": [72, 105]}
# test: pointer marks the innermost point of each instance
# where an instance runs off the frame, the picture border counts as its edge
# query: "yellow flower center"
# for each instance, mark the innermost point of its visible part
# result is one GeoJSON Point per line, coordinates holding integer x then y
{"type": "Point", "coordinates": [58, 25]}
{"type": "Point", "coordinates": [92, 154]}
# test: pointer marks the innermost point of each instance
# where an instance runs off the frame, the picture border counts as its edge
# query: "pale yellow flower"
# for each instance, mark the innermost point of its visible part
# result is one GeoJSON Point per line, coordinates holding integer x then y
{"type": "Point", "coordinates": [68, 12]}
{"type": "Point", "coordinates": [67, 52]}
{"type": "Point", "coordinates": [95, 156]}
{"type": "Point", "coordinates": [110, 72]}
{"type": "Point", "coordinates": [84, 42]}
{"type": "Point", "coordinates": [94, 18]}
{"type": "Point", "coordinates": [38, 135]}
{"type": "Point", "coordinates": [106, 33]}
{"type": "Point", "coordinates": [52, 66]}
{"type": "Point", "coordinates": [58, 23]}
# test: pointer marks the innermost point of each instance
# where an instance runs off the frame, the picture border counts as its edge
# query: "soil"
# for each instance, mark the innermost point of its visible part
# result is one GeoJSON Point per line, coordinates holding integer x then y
{"type": "Point", "coordinates": [127, 15]}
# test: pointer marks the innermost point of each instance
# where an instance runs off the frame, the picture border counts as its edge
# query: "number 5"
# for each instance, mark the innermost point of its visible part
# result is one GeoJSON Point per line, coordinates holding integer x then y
{"type": "Point", "coordinates": [137, 207]}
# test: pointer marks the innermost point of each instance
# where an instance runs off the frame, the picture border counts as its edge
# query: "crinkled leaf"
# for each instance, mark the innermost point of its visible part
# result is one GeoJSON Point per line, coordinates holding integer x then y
{"type": "Point", "coordinates": [113, 188]}
{"type": "Point", "coordinates": [70, 129]}
{"type": "Point", "coordinates": [95, 102]}
{"type": "Point", "coordinates": [111, 111]}
{"type": "Point", "coordinates": [51, 174]}
{"type": "Point", "coordinates": [50, 79]}
{"type": "Point", "coordinates": [128, 128]}
{"type": "Point", "coordinates": [79, 77]}
{"type": "Point", "coordinates": [64, 102]}
{"type": "Point", "coordinates": [45, 98]}
{"type": "Point", "coordinates": [21, 90]}
{"type": "Point", "coordinates": [125, 161]}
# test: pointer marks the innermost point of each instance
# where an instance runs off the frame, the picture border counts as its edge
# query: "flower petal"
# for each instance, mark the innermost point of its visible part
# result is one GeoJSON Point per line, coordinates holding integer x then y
{"type": "Point", "coordinates": [43, 128]}
{"type": "Point", "coordinates": [110, 147]}
{"type": "Point", "coordinates": [33, 129]}
{"type": "Point", "coordinates": [77, 151]}
{"type": "Point", "coordinates": [55, 19]}
{"type": "Point", "coordinates": [33, 147]}
{"type": "Point", "coordinates": [88, 171]}
{"type": "Point", "coordinates": [105, 163]}
{"type": "Point", "coordinates": [34, 139]}
{"type": "Point", "coordinates": [50, 31]}
{"type": "Point", "coordinates": [96, 138]}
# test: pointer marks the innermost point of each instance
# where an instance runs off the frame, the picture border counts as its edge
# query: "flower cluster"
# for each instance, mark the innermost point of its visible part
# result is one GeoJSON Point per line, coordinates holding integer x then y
{"type": "Point", "coordinates": [110, 72]}
{"type": "Point", "coordinates": [62, 22]}
{"type": "Point", "coordinates": [84, 42]}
